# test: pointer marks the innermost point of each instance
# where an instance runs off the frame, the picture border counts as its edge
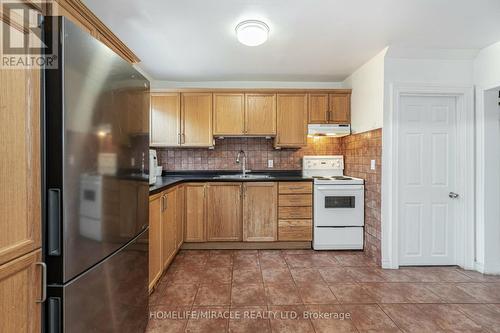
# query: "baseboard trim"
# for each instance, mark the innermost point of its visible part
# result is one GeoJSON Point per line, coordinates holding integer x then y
{"type": "Point", "coordinates": [247, 246]}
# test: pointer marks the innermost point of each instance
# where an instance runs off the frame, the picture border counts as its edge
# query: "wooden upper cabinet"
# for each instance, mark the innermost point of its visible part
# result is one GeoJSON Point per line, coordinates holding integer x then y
{"type": "Point", "coordinates": [260, 211]}
{"type": "Point", "coordinates": [260, 114]}
{"type": "Point", "coordinates": [292, 120]}
{"type": "Point", "coordinates": [165, 119]}
{"type": "Point", "coordinates": [195, 216]}
{"type": "Point", "coordinates": [20, 189]}
{"type": "Point", "coordinates": [318, 108]}
{"type": "Point", "coordinates": [196, 116]}
{"type": "Point", "coordinates": [330, 108]}
{"type": "Point", "coordinates": [229, 114]}
{"type": "Point", "coordinates": [340, 108]}
{"type": "Point", "coordinates": [224, 213]}
{"type": "Point", "coordinates": [20, 289]}
{"type": "Point", "coordinates": [155, 239]}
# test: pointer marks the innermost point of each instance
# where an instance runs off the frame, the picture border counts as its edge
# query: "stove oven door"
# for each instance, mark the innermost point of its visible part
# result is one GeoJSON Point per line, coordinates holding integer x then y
{"type": "Point", "coordinates": [338, 205]}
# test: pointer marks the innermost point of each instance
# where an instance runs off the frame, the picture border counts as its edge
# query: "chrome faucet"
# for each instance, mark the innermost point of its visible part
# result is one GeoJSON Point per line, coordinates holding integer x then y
{"type": "Point", "coordinates": [244, 163]}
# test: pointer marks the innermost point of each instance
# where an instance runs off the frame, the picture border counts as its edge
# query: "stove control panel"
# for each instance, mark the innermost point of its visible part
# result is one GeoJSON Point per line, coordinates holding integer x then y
{"type": "Point", "coordinates": [323, 163]}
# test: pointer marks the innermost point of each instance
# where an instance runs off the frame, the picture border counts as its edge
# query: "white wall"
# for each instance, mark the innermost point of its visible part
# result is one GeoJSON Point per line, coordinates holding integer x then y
{"type": "Point", "coordinates": [452, 68]}
{"type": "Point", "coordinates": [367, 99]}
{"type": "Point", "coordinates": [487, 80]}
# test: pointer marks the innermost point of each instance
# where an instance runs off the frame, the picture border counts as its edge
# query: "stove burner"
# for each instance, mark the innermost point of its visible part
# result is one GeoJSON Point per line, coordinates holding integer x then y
{"type": "Point", "coordinates": [341, 178]}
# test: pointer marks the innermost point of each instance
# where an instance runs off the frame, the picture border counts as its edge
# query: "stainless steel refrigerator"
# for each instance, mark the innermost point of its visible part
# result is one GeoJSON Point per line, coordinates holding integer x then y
{"type": "Point", "coordinates": [96, 138]}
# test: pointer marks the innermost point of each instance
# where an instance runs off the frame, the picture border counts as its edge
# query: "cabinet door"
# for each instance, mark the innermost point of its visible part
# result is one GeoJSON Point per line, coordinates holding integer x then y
{"type": "Point", "coordinates": [224, 213]}
{"type": "Point", "coordinates": [180, 216]}
{"type": "Point", "coordinates": [197, 120]}
{"type": "Point", "coordinates": [260, 211]}
{"type": "Point", "coordinates": [155, 238]}
{"type": "Point", "coordinates": [165, 119]}
{"type": "Point", "coordinates": [194, 213]}
{"type": "Point", "coordinates": [20, 288]}
{"type": "Point", "coordinates": [168, 243]}
{"type": "Point", "coordinates": [228, 114]}
{"type": "Point", "coordinates": [260, 114]}
{"type": "Point", "coordinates": [292, 120]}
{"type": "Point", "coordinates": [318, 109]}
{"type": "Point", "coordinates": [340, 108]}
{"type": "Point", "coordinates": [20, 150]}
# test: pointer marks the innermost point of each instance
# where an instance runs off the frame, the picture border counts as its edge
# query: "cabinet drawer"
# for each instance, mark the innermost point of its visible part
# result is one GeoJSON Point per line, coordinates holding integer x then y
{"type": "Point", "coordinates": [295, 187]}
{"type": "Point", "coordinates": [295, 212]}
{"type": "Point", "coordinates": [295, 230]}
{"type": "Point", "coordinates": [295, 200]}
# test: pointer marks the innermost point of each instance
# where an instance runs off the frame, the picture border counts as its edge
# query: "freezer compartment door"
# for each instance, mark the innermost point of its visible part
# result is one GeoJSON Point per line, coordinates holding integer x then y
{"type": "Point", "coordinates": [350, 238]}
{"type": "Point", "coordinates": [110, 297]}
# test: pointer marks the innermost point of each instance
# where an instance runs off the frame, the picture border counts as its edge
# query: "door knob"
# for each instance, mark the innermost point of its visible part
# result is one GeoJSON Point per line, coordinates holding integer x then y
{"type": "Point", "coordinates": [453, 195]}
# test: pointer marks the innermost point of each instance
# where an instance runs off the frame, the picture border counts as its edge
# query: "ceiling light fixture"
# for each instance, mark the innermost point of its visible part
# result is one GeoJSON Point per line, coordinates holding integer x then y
{"type": "Point", "coordinates": [252, 32]}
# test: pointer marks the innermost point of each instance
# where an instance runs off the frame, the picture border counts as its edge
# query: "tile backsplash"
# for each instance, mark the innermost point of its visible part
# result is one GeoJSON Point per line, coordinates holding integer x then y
{"type": "Point", "coordinates": [359, 150]}
{"type": "Point", "coordinates": [257, 150]}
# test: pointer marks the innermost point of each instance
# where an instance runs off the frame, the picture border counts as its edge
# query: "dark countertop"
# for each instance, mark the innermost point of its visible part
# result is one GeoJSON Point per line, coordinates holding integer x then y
{"type": "Point", "coordinates": [169, 179]}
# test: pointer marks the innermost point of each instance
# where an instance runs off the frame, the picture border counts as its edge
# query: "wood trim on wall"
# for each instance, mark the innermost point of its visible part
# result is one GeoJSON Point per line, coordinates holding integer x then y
{"type": "Point", "coordinates": [86, 17]}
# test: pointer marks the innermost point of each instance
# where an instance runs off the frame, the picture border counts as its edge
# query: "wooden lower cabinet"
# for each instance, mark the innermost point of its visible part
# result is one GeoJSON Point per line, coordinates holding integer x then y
{"type": "Point", "coordinates": [195, 212]}
{"type": "Point", "coordinates": [179, 217]}
{"type": "Point", "coordinates": [168, 224]}
{"type": "Point", "coordinates": [224, 212]}
{"type": "Point", "coordinates": [155, 237]}
{"type": "Point", "coordinates": [259, 211]}
{"type": "Point", "coordinates": [20, 290]}
{"type": "Point", "coordinates": [295, 230]}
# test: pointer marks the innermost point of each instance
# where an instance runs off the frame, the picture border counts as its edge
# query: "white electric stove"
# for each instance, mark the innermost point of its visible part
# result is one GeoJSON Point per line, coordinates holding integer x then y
{"type": "Point", "coordinates": [338, 204]}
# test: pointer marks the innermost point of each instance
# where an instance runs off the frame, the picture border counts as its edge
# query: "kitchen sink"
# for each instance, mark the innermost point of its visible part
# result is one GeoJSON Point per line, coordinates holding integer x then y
{"type": "Point", "coordinates": [241, 176]}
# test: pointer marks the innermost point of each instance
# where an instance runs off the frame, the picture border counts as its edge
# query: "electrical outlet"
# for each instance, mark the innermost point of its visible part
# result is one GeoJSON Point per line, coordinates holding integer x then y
{"type": "Point", "coordinates": [270, 163]}
{"type": "Point", "coordinates": [372, 164]}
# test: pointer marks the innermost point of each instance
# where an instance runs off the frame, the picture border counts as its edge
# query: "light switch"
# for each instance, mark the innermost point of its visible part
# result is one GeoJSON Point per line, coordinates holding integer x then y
{"type": "Point", "coordinates": [270, 163]}
{"type": "Point", "coordinates": [372, 164]}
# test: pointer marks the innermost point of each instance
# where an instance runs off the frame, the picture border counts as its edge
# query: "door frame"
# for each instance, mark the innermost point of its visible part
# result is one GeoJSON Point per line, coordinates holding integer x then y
{"type": "Point", "coordinates": [465, 229]}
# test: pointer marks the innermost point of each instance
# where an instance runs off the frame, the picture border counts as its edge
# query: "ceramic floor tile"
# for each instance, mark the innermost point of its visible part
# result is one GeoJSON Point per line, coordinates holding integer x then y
{"type": "Point", "coordinates": [410, 318]}
{"type": "Point", "coordinates": [484, 292]}
{"type": "Point", "coordinates": [351, 293]}
{"type": "Point", "coordinates": [180, 295]}
{"type": "Point", "coordinates": [220, 260]}
{"type": "Point", "coordinates": [336, 275]}
{"type": "Point", "coordinates": [217, 275]}
{"type": "Point", "coordinates": [253, 319]}
{"type": "Point", "coordinates": [213, 294]}
{"type": "Point", "coordinates": [306, 275]}
{"type": "Point", "coordinates": [247, 276]}
{"type": "Point", "coordinates": [246, 261]}
{"type": "Point", "coordinates": [208, 320]}
{"type": "Point", "coordinates": [289, 319]}
{"type": "Point", "coordinates": [330, 319]}
{"type": "Point", "coordinates": [366, 274]}
{"type": "Point", "coordinates": [248, 294]}
{"type": "Point", "coordinates": [276, 275]}
{"type": "Point", "coordinates": [450, 293]}
{"type": "Point", "coordinates": [354, 260]}
{"type": "Point", "coordinates": [478, 277]}
{"type": "Point", "coordinates": [370, 318]}
{"type": "Point", "coordinates": [271, 262]}
{"type": "Point", "coordinates": [486, 315]}
{"type": "Point", "coordinates": [449, 318]}
{"type": "Point", "coordinates": [282, 294]}
{"type": "Point", "coordinates": [316, 293]}
{"type": "Point", "coordinates": [167, 319]}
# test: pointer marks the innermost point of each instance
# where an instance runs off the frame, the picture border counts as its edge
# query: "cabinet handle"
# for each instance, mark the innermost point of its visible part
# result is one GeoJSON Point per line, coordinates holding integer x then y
{"type": "Point", "coordinates": [44, 282]}
{"type": "Point", "coordinates": [183, 138]}
{"type": "Point", "coordinates": [179, 138]}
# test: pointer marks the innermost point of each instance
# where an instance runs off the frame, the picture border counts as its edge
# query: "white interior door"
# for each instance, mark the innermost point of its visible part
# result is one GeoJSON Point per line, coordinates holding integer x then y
{"type": "Point", "coordinates": [427, 176]}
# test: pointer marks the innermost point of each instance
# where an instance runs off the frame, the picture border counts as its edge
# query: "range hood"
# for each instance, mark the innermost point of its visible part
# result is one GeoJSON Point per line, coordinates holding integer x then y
{"type": "Point", "coordinates": [337, 130]}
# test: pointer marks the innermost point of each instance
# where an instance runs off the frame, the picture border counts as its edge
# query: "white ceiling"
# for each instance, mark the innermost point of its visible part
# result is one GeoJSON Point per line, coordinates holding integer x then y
{"type": "Point", "coordinates": [310, 40]}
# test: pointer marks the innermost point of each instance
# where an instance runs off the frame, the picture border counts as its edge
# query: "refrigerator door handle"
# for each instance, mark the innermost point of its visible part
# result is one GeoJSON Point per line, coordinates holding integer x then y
{"type": "Point", "coordinates": [54, 222]}
{"type": "Point", "coordinates": [44, 282]}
